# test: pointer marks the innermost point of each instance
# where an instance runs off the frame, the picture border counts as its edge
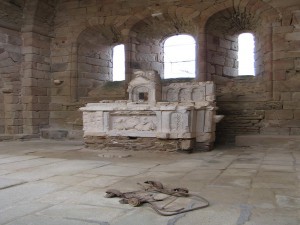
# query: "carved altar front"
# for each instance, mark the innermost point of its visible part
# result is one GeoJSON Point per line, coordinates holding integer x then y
{"type": "Point", "coordinates": [180, 113]}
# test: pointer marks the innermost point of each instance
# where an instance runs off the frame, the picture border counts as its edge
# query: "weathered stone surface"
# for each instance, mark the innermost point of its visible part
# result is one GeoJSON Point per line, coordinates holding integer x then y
{"type": "Point", "coordinates": [42, 48]}
{"type": "Point", "coordinates": [145, 116]}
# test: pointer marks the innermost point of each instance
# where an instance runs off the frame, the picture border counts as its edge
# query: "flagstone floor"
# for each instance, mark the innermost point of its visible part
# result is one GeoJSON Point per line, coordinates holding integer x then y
{"type": "Point", "coordinates": [46, 182]}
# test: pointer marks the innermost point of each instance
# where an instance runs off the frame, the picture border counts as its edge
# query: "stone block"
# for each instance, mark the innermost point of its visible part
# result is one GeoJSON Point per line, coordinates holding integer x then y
{"type": "Point", "coordinates": [44, 99]}
{"type": "Point", "coordinates": [54, 134]}
{"type": "Point", "coordinates": [257, 140]}
{"type": "Point", "coordinates": [95, 61]}
{"type": "Point", "coordinates": [280, 75]}
{"type": "Point", "coordinates": [104, 70]}
{"type": "Point", "coordinates": [9, 69]}
{"type": "Point", "coordinates": [59, 114]}
{"type": "Point", "coordinates": [232, 54]}
{"type": "Point", "coordinates": [297, 64]}
{"type": "Point", "coordinates": [229, 62]}
{"type": "Point", "coordinates": [187, 144]}
{"type": "Point", "coordinates": [29, 99]}
{"type": "Point", "coordinates": [34, 58]}
{"type": "Point", "coordinates": [294, 36]}
{"type": "Point", "coordinates": [296, 96]}
{"type": "Point", "coordinates": [219, 60]}
{"type": "Point", "coordinates": [37, 107]}
{"type": "Point", "coordinates": [28, 129]}
{"type": "Point", "coordinates": [235, 46]}
{"type": "Point", "coordinates": [229, 71]}
{"type": "Point", "coordinates": [278, 114]}
{"type": "Point", "coordinates": [285, 96]}
{"type": "Point", "coordinates": [11, 99]}
{"type": "Point", "coordinates": [283, 64]}
{"type": "Point", "coordinates": [295, 131]}
{"type": "Point", "coordinates": [297, 114]}
{"type": "Point", "coordinates": [205, 137]}
{"type": "Point", "coordinates": [14, 40]}
{"type": "Point", "coordinates": [3, 38]}
{"type": "Point", "coordinates": [77, 11]}
{"type": "Point", "coordinates": [283, 29]}
{"type": "Point", "coordinates": [59, 67]}
{"type": "Point", "coordinates": [28, 82]}
{"type": "Point", "coordinates": [146, 57]}
{"type": "Point", "coordinates": [275, 130]}
{"type": "Point", "coordinates": [225, 44]}
{"type": "Point", "coordinates": [35, 91]}
{"type": "Point", "coordinates": [43, 66]}
{"type": "Point", "coordinates": [144, 48]}
{"type": "Point", "coordinates": [13, 107]}
{"type": "Point", "coordinates": [291, 105]}
{"type": "Point", "coordinates": [43, 83]}
{"type": "Point", "coordinates": [4, 55]}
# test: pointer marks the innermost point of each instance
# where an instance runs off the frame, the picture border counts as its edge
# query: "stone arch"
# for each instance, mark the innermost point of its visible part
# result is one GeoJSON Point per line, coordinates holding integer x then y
{"type": "Point", "coordinates": [151, 31]}
{"type": "Point", "coordinates": [225, 22]}
{"type": "Point", "coordinates": [92, 59]}
{"type": "Point", "coordinates": [257, 6]}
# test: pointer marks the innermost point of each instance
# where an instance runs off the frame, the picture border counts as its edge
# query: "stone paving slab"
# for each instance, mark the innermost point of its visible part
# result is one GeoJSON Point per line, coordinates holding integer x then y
{"type": "Point", "coordinates": [96, 197]}
{"type": "Point", "coordinates": [240, 172]}
{"type": "Point", "coordinates": [67, 179]}
{"type": "Point", "coordinates": [288, 201]}
{"type": "Point", "coordinates": [16, 159]}
{"type": "Point", "coordinates": [244, 166]}
{"type": "Point", "coordinates": [83, 213]}
{"type": "Point", "coordinates": [245, 186]}
{"type": "Point", "coordinates": [232, 181]}
{"type": "Point", "coordinates": [113, 170]}
{"type": "Point", "coordinates": [262, 198]}
{"type": "Point", "coordinates": [143, 215]}
{"type": "Point", "coordinates": [29, 163]}
{"type": "Point", "coordinates": [273, 217]}
{"type": "Point", "coordinates": [101, 181]}
{"type": "Point", "coordinates": [179, 166]}
{"type": "Point", "coordinates": [26, 192]}
{"type": "Point", "coordinates": [46, 220]}
{"type": "Point", "coordinates": [20, 210]}
{"type": "Point", "coordinates": [214, 215]}
{"type": "Point", "coordinates": [4, 172]}
{"type": "Point", "coordinates": [7, 182]}
{"type": "Point", "coordinates": [66, 167]}
{"type": "Point", "coordinates": [59, 196]}
{"type": "Point", "coordinates": [278, 168]}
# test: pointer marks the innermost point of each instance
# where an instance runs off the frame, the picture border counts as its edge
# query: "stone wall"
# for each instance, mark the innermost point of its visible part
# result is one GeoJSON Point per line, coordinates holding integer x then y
{"type": "Point", "coordinates": [10, 82]}
{"type": "Point", "coordinates": [10, 67]}
{"type": "Point", "coordinates": [247, 102]}
{"type": "Point", "coordinates": [56, 54]}
{"type": "Point", "coordinates": [136, 144]}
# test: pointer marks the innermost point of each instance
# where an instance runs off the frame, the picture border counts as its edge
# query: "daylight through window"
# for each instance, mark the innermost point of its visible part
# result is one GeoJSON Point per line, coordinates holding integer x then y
{"type": "Point", "coordinates": [246, 54]}
{"type": "Point", "coordinates": [118, 63]}
{"type": "Point", "coordinates": [179, 57]}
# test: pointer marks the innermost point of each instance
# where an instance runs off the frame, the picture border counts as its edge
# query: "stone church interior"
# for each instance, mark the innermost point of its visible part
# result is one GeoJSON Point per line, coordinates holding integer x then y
{"type": "Point", "coordinates": [99, 94]}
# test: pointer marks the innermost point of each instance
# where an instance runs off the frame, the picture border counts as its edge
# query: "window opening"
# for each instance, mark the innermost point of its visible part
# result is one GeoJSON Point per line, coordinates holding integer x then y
{"type": "Point", "coordinates": [179, 56]}
{"type": "Point", "coordinates": [246, 54]}
{"type": "Point", "coordinates": [118, 63]}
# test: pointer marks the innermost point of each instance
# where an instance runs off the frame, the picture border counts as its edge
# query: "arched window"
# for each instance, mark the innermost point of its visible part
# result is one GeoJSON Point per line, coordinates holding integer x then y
{"type": "Point", "coordinates": [118, 63]}
{"type": "Point", "coordinates": [179, 56]}
{"type": "Point", "coordinates": [246, 54]}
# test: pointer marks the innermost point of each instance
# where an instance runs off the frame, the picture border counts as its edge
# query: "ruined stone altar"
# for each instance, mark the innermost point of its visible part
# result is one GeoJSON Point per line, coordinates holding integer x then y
{"type": "Point", "coordinates": [161, 117]}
